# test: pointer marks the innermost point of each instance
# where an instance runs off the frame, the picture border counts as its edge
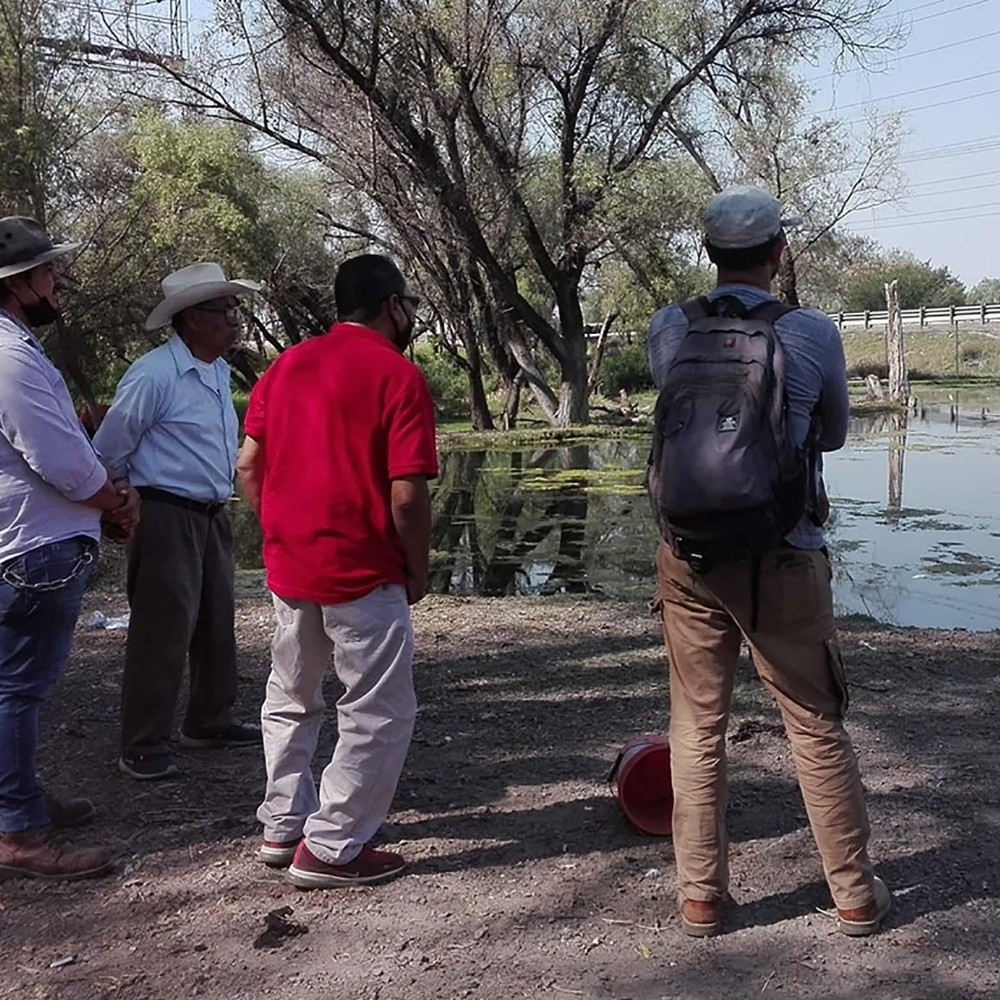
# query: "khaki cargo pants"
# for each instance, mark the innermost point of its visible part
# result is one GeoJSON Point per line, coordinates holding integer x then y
{"type": "Point", "coordinates": [795, 651]}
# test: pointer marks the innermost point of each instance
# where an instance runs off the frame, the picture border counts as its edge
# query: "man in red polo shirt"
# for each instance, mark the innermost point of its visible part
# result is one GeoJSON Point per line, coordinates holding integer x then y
{"type": "Point", "coordinates": [339, 448]}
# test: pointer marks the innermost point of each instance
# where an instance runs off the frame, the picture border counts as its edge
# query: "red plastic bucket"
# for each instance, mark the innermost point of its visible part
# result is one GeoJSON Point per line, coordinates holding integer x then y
{"type": "Point", "coordinates": [641, 779]}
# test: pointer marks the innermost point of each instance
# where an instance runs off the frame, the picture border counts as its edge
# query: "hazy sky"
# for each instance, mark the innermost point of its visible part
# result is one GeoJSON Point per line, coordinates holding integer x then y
{"type": "Point", "coordinates": [951, 157]}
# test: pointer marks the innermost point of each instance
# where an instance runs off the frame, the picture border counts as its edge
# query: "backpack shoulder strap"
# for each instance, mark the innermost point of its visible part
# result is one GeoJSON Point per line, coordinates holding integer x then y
{"type": "Point", "coordinates": [770, 311]}
{"type": "Point", "coordinates": [696, 309]}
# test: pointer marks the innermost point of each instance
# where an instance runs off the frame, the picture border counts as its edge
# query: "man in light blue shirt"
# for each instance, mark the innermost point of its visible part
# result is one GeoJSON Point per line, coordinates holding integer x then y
{"type": "Point", "coordinates": [172, 430]}
{"type": "Point", "coordinates": [708, 612]}
{"type": "Point", "coordinates": [53, 489]}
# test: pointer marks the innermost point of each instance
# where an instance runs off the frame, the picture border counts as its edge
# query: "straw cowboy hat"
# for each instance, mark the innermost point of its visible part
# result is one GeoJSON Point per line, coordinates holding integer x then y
{"type": "Point", "coordinates": [192, 285]}
{"type": "Point", "coordinates": [24, 244]}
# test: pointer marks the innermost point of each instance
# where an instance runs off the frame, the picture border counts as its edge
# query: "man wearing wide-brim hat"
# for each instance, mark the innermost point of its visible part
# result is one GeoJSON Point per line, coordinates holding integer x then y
{"type": "Point", "coordinates": [172, 430]}
{"type": "Point", "coordinates": [53, 488]}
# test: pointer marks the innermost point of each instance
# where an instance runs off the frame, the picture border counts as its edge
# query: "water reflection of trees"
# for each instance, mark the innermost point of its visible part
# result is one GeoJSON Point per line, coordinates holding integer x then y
{"type": "Point", "coordinates": [486, 523]}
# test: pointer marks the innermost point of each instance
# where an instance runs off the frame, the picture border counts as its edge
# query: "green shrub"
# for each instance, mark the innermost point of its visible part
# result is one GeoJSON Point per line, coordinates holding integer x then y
{"type": "Point", "coordinates": [448, 383]}
{"type": "Point", "coordinates": [626, 366]}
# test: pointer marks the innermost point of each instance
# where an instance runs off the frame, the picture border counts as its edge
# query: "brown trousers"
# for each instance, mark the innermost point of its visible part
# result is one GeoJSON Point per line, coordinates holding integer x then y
{"type": "Point", "coordinates": [180, 591]}
{"type": "Point", "coordinates": [795, 651]}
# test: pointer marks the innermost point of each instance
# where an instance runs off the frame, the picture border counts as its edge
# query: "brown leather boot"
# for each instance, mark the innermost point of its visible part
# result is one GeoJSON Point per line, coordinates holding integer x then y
{"type": "Point", "coordinates": [35, 854]}
{"type": "Point", "coordinates": [868, 919]}
{"type": "Point", "coordinates": [700, 919]}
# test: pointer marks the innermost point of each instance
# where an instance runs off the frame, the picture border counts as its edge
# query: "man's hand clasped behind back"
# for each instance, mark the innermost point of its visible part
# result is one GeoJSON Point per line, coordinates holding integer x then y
{"type": "Point", "coordinates": [119, 524]}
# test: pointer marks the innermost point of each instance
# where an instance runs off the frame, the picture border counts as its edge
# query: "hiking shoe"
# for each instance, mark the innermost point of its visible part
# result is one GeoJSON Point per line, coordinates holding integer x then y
{"type": "Point", "coordinates": [236, 734]}
{"type": "Point", "coordinates": [278, 853]}
{"type": "Point", "coordinates": [64, 813]}
{"type": "Point", "coordinates": [370, 866]}
{"type": "Point", "coordinates": [868, 919]}
{"type": "Point", "coordinates": [148, 766]}
{"type": "Point", "coordinates": [701, 919]}
{"type": "Point", "coordinates": [35, 854]}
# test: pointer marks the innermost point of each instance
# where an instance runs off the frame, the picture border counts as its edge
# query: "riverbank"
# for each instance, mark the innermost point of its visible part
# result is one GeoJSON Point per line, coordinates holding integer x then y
{"type": "Point", "coordinates": [609, 422]}
{"type": "Point", "coordinates": [525, 881]}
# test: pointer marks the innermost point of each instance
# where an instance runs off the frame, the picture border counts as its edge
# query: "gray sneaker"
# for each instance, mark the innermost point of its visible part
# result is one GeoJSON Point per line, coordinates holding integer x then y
{"type": "Point", "coordinates": [149, 766]}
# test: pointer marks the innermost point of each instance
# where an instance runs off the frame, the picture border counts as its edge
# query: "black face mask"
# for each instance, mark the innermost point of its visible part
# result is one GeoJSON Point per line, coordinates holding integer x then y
{"type": "Point", "coordinates": [403, 337]}
{"type": "Point", "coordinates": [41, 312]}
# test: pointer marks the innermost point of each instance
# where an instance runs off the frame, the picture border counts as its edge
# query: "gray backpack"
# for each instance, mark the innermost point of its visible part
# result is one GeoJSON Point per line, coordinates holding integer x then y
{"type": "Point", "coordinates": [726, 479]}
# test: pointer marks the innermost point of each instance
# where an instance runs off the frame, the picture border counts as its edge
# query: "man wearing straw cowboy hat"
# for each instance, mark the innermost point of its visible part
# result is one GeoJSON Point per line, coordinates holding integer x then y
{"type": "Point", "coordinates": [53, 489]}
{"type": "Point", "coordinates": [172, 428]}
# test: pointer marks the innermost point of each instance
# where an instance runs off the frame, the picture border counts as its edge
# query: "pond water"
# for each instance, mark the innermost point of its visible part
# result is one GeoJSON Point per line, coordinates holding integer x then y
{"type": "Point", "coordinates": [914, 536]}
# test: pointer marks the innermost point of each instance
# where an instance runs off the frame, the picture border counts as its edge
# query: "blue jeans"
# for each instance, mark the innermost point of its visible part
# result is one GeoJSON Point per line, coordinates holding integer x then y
{"type": "Point", "coordinates": [40, 596]}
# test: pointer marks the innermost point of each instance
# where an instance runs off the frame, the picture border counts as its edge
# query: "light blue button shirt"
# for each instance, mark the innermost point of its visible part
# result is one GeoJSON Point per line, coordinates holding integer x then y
{"type": "Point", "coordinates": [815, 376]}
{"type": "Point", "coordinates": [47, 463]}
{"type": "Point", "coordinates": [173, 425]}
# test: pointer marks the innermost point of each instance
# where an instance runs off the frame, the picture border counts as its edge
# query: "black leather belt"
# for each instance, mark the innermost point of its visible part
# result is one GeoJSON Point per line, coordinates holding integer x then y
{"type": "Point", "coordinates": [162, 496]}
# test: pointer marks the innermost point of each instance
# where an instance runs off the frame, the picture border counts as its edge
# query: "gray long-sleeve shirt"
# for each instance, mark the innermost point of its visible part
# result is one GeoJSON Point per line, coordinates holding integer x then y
{"type": "Point", "coordinates": [815, 373]}
{"type": "Point", "coordinates": [47, 463]}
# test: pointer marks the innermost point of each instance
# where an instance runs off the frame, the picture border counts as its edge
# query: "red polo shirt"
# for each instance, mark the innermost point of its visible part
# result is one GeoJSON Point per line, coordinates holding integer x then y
{"type": "Point", "coordinates": [338, 417]}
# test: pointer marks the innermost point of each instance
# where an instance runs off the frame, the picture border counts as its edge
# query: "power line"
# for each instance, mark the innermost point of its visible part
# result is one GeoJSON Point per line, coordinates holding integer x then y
{"type": "Point", "coordinates": [917, 90]}
{"type": "Point", "coordinates": [961, 177]}
{"type": "Point", "coordinates": [945, 104]}
{"type": "Point", "coordinates": [876, 227]}
{"type": "Point", "coordinates": [941, 215]}
{"type": "Point", "coordinates": [985, 144]}
{"type": "Point", "coordinates": [950, 10]}
{"type": "Point", "coordinates": [921, 6]}
{"type": "Point", "coordinates": [936, 211]}
{"type": "Point", "coordinates": [958, 190]}
{"type": "Point", "coordinates": [896, 15]}
{"type": "Point", "coordinates": [909, 55]}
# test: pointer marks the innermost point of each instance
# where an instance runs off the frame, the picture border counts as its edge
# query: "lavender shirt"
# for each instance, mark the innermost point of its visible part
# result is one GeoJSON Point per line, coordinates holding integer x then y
{"type": "Point", "coordinates": [47, 463]}
{"type": "Point", "coordinates": [815, 374]}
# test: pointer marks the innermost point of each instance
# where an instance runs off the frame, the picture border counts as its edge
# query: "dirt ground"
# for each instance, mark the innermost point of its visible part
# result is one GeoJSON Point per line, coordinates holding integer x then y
{"type": "Point", "coordinates": [525, 881]}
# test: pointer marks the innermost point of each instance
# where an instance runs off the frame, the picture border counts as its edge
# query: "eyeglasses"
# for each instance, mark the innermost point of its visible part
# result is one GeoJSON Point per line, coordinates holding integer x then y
{"type": "Point", "coordinates": [232, 313]}
{"type": "Point", "coordinates": [414, 300]}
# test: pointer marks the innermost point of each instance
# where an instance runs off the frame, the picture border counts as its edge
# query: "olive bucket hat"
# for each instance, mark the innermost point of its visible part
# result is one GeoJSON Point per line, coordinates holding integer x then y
{"type": "Point", "coordinates": [24, 244]}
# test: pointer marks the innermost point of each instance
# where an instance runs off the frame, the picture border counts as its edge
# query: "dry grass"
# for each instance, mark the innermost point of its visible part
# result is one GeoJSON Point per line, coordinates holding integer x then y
{"type": "Point", "coordinates": [929, 354]}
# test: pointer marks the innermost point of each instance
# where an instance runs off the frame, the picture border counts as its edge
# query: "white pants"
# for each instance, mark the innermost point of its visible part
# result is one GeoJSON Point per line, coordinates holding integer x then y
{"type": "Point", "coordinates": [372, 644]}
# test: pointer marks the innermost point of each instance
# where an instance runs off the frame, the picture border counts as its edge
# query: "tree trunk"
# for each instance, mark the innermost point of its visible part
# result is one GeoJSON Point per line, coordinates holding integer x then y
{"type": "Point", "coordinates": [69, 354]}
{"type": "Point", "coordinates": [602, 340]}
{"type": "Point", "coordinates": [512, 402]}
{"type": "Point", "coordinates": [540, 389]}
{"type": "Point", "coordinates": [899, 383]}
{"type": "Point", "coordinates": [479, 407]}
{"type": "Point", "coordinates": [574, 392]}
{"type": "Point", "coordinates": [787, 280]}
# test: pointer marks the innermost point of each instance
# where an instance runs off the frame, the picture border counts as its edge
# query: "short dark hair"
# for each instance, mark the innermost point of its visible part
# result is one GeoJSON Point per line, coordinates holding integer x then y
{"type": "Point", "coordinates": [177, 323]}
{"type": "Point", "coordinates": [744, 258]}
{"type": "Point", "coordinates": [364, 283]}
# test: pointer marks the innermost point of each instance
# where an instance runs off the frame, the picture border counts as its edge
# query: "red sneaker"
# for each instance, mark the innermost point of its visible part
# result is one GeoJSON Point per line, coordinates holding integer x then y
{"type": "Point", "coordinates": [370, 866]}
{"type": "Point", "coordinates": [278, 853]}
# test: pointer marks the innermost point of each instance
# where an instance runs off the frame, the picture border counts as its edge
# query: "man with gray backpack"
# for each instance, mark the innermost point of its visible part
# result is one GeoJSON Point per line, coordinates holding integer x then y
{"type": "Point", "coordinates": [751, 393]}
